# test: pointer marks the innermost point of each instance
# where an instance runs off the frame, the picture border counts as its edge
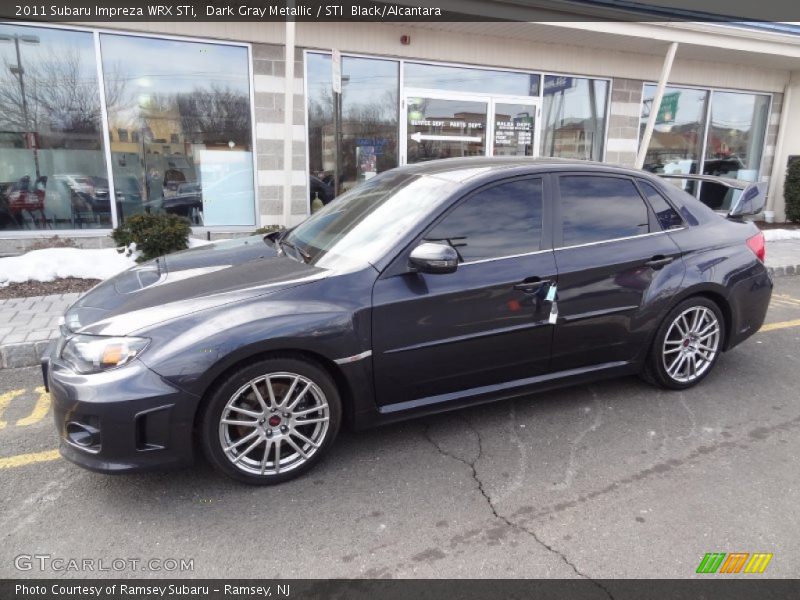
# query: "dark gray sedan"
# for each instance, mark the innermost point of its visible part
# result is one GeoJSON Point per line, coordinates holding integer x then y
{"type": "Point", "coordinates": [424, 289]}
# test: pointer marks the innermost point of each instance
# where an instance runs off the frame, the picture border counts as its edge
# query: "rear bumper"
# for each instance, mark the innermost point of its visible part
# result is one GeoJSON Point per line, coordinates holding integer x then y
{"type": "Point", "coordinates": [749, 300]}
{"type": "Point", "coordinates": [123, 420]}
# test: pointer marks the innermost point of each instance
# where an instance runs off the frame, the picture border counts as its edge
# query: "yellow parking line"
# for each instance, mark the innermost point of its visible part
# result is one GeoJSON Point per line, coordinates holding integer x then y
{"type": "Point", "coordinates": [5, 400]}
{"type": "Point", "coordinates": [39, 410]}
{"type": "Point", "coordinates": [780, 325]}
{"type": "Point", "coordinates": [780, 302]}
{"type": "Point", "coordinates": [28, 459]}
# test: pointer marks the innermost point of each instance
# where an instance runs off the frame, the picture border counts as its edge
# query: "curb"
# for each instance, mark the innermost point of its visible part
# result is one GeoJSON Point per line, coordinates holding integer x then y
{"type": "Point", "coordinates": [25, 354]}
{"type": "Point", "coordinates": [784, 271]}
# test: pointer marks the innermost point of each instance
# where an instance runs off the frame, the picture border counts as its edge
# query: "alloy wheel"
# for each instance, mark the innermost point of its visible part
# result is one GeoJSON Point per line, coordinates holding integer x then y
{"type": "Point", "coordinates": [274, 423]}
{"type": "Point", "coordinates": [691, 344]}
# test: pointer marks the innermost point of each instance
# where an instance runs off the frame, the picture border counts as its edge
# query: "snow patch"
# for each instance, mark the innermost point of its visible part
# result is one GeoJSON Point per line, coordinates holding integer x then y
{"type": "Point", "coordinates": [776, 235]}
{"type": "Point", "coordinates": [56, 263]}
{"type": "Point", "coordinates": [197, 242]}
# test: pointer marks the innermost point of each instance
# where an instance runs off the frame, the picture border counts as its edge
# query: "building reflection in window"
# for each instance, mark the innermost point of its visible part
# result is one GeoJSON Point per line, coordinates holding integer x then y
{"type": "Point", "coordinates": [52, 165]}
{"type": "Point", "coordinates": [736, 135]}
{"type": "Point", "coordinates": [467, 79]}
{"type": "Point", "coordinates": [677, 140]}
{"type": "Point", "coordinates": [368, 123]}
{"type": "Point", "coordinates": [574, 116]}
{"type": "Point", "coordinates": [180, 129]}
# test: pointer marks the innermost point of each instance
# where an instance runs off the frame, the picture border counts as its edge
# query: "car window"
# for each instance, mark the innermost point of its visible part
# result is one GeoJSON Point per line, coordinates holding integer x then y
{"type": "Point", "coordinates": [595, 209]}
{"type": "Point", "coordinates": [502, 220]}
{"type": "Point", "coordinates": [667, 216]}
{"type": "Point", "coordinates": [368, 220]}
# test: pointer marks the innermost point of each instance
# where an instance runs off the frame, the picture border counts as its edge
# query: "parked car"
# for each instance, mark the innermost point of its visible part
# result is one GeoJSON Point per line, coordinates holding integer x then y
{"type": "Point", "coordinates": [424, 289]}
{"type": "Point", "coordinates": [187, 200]}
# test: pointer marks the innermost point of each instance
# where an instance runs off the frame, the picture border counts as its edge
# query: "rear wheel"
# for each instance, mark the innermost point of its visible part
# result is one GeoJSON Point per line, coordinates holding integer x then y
{"type": "Point", "coordinates": [271, 421]}
{"type": "Point", "coordinates": [687, 345]}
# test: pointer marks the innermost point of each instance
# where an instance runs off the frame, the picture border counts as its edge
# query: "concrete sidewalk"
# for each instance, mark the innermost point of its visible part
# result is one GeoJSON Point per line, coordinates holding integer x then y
{"type": "Point", "coordinates": [783, 257]}
{"type": "Point", "coordinates": [27, 324]}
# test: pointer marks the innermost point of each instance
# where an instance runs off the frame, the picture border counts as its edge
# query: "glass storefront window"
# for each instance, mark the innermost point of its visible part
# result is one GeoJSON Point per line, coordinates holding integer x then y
{"type": "Point", "coordinates": [180, 129]}
{"type": "Point", "coordinates": [463, 79]}
{"type": "Point", "coordinates": [368, 123]}
{"type": "Point", "coordinates": [736, 135]}
{"type": "Point", "coordinates": [52, 167]}
{"type": "Point", "coordinates": [677, 140]}
{"type": "Point", "coordinates": [574, 114]}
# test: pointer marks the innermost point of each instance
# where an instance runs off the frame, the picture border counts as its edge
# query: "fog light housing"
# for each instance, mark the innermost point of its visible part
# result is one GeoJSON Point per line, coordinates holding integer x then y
{"type": "Point", "coordinates": [83, 436]}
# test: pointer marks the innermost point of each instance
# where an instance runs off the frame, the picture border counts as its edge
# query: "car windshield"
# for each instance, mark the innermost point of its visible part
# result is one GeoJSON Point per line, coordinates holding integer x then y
{"type": "Point", "coordinates": [361, 225]}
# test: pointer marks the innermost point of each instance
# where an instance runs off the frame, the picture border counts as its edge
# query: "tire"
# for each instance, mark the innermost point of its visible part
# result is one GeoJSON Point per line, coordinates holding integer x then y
{"type": "Point", "coordinates": [297, 420]}
{"type": "Point", "coordinates": [685, 350]}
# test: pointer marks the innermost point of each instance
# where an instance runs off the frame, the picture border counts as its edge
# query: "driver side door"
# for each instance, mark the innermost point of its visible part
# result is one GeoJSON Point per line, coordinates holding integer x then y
{"type": "Point", "coordinates": [438, 337]}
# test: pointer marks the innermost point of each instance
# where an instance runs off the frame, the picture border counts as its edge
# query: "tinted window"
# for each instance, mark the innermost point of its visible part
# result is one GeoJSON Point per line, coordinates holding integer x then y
{"type": "Point", "coordinates": [502, 220]}
{"type": "Point", "coordinates": [667, 216]}
{"type": "Point", "coordinates": [600, 208]}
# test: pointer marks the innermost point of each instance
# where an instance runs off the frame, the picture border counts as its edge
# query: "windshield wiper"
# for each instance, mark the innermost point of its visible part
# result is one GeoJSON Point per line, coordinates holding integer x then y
{"type": "Point", "coordinates": [300, 252]}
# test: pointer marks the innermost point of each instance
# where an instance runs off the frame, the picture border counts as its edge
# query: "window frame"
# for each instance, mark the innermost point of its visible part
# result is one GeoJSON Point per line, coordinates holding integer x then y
{"type": "Point", "coordinates": [96, 32]}
{"type": "Point", "coordinates": [558, 219]}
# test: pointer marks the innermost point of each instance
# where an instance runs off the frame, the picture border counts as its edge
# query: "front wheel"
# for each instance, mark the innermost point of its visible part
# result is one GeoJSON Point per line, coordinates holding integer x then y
{"type": "Point", "coordinates": [271, 420]}
{"type": "Point", "coordinates": [687, 345]}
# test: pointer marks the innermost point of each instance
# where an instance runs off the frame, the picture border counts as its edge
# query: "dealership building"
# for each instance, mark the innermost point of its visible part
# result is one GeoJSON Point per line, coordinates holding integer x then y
{"type": "Point", "coordinates": [210, 121]}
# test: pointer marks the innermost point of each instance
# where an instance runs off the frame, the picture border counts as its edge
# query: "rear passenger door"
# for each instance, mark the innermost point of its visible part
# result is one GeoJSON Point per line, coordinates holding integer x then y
{"type": "Point", "coordinates": [617, 267]}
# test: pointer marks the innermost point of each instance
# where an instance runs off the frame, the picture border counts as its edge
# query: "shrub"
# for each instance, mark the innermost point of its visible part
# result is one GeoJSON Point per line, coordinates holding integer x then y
{"type": "Point", "coordinates": [791, 190]}
{"type": "Point", "coordinates": [154, 235]}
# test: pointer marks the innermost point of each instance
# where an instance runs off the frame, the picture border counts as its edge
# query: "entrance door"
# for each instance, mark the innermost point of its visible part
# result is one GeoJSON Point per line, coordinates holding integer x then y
{"type": "Point", "coordinates": [514, 128]}
{"type": "Point", "coordinates": [439, 126]}
{"type": "Point", "coordinates": [447, 125]}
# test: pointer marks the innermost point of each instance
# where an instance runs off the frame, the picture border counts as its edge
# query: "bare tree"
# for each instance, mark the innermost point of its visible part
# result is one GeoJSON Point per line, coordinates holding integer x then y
{"type": "Point", "coordinates": [61, 95]}
{"type": "Point", "coordinates": [214, 115]}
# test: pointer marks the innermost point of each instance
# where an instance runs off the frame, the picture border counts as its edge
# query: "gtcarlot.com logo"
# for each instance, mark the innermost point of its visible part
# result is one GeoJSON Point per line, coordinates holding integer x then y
{"type": "Point", "coordinates": [734, 562]}
{"type": "Point", "coordinates": [48, 562]}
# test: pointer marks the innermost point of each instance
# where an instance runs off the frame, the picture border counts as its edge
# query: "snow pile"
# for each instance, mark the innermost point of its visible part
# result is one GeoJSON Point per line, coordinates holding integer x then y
{"type": "Point", "coordinates": [55, 263]}
{"type": "Point", "coordinates": [776, 235]}
{"type": "Point", "coordinates": [197, 242]}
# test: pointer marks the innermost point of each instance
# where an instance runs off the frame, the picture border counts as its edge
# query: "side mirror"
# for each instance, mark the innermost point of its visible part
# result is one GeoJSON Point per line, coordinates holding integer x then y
{"type": "Point", "coordinates": [751, 201]}
{"type": "Point", "coordinates": [434, 257]}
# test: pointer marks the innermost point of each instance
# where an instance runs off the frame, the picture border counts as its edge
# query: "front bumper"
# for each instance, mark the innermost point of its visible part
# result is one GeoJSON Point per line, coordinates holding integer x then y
{"type": "Point", "coordinates": [121, 420]}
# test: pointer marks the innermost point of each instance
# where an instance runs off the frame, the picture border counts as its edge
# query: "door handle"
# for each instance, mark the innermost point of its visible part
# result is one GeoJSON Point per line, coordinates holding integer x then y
{"type": "Point", "coordinates": [532, 285]}
{"type": "Point", "coordinates": [658, 261]}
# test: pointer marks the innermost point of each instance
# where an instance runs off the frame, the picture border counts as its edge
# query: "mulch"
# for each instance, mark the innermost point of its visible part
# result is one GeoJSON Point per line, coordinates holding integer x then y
{"type": "Point", "coordinates": [68, 285]}
{"type": "Point", "coordinates": [764, 225]}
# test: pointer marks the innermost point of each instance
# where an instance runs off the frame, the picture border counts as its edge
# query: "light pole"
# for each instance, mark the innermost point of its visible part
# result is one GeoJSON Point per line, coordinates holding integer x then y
{"type": "Point", "coordinates": [19, 71]}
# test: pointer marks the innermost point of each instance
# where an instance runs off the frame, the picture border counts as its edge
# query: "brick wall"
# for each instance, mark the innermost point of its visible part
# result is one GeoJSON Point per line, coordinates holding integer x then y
{"type": "Point", "coordinates": [623, 122]}
{"type": "Point", "coordinates": [269, 68]}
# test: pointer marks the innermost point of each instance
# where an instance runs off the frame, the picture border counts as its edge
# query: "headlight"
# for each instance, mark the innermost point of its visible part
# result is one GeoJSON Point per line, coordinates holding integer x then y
{"type": "Point", "coordinates": [92, 354]}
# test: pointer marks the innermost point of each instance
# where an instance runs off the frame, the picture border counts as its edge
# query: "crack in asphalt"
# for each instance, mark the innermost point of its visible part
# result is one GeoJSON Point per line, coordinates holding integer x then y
{"type": "Point", "coordinates": [493, 508]}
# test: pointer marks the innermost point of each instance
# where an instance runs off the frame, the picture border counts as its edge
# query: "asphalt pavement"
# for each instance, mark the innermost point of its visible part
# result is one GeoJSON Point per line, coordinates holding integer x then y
{"type": "Point", "coordinates": [610, 480]}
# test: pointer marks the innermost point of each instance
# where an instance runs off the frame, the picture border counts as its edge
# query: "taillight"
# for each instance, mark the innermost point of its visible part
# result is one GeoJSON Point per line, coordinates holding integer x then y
{"type": "Point", "coordinates": [758, 246]}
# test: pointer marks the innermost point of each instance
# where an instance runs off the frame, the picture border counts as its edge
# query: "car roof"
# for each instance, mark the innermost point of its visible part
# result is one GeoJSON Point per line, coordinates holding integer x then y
{"type": "Point", "coordinates": [462, 170]}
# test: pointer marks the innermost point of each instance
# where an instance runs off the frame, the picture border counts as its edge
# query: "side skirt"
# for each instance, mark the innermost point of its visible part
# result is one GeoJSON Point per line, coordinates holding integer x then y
{"type": "Point", "coordinates": [492, 393]}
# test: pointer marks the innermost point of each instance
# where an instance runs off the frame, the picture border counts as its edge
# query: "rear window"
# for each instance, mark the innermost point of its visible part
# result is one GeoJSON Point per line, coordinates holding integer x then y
{"type": "Point", "coordinates": [597, 208]}
{"type": "Point", "coordinates": [667, 216]}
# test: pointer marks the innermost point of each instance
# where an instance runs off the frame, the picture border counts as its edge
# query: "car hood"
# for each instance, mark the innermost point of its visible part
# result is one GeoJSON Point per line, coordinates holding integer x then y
{"type": "Point", "coordinates": [186, 282]}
